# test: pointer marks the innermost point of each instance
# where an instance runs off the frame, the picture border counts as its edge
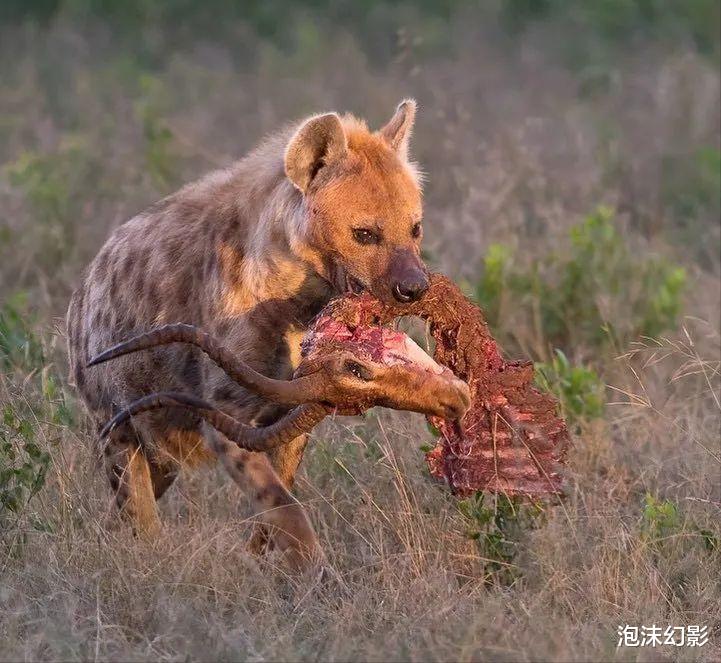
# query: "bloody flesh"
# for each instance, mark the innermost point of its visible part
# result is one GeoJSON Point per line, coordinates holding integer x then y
{"type": "Point", "coordinates": [511, 440]}
{"type": "Point", "coordinates": [378, 344]}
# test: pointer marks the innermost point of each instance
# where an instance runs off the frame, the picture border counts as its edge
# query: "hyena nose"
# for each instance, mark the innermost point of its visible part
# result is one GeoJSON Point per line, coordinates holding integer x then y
{"type": "Point", "coordinates": [410, 289]}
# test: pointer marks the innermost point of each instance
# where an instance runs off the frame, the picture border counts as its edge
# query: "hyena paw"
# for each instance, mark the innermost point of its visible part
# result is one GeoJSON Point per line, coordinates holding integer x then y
{"type": "Point", "coordinates": [260, 542]}
{"type": "Point", "coordinates": [297, 555]}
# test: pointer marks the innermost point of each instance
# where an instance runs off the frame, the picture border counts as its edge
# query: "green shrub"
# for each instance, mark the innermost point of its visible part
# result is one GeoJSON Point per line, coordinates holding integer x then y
{"type": "Point", "coordinates": [662, 523]}
{"type": "Point", "coordinates": [579, 389]}
{"type": "Point", "coordinates": [23, 465]}
{"type": "Point", "coordinates": [55, 405]}
{"type": "Point", "coordinates": [664, 285]}
{"type": "Point", "coordinates": [22, 350]}
{"type": "Point", "coordinates": [660, 517]}
{"type": "Point", "coordinates": [161, 158]}
{"type": "Point", "coordinates": [598, 292]}
{"type": "Point", "coordinates": [690, 185]}
{"type": "Point", "coordinates": [497, 528]}
{"type": "Point", "coordinates": [494, 279]}
{"type": "Point", "coordinates": [20, 347]}
{"type": "Point", "coordinates": [55, 185]}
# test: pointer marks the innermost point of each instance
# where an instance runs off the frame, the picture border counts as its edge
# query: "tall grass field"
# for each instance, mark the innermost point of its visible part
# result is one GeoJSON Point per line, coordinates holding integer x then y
{"type": "Point", "coordinates": [572, 166]}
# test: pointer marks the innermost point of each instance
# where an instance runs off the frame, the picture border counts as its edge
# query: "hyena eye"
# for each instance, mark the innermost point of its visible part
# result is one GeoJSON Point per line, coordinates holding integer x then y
{"type": "Point", "coordinates": [416, 230]}
{"type": "Point", "coordinates": [366, 236]}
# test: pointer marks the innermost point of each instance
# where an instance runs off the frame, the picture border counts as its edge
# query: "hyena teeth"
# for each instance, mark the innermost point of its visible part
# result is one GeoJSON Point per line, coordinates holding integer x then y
{"type": "Point", "coordinates": [354, 285]}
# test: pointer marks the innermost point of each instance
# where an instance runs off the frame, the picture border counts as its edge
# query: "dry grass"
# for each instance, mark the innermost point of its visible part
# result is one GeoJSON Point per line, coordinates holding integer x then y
{"type": "Point", "coordinates": [510, 143]}
{"type": "Point", "coordinates": [409, 584]}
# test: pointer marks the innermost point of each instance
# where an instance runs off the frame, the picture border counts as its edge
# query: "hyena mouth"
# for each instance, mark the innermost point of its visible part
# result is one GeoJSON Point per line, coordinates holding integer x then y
{"type": "Point", "coordinates": [344, 282]}
{"type": "Point", "coordinates": [353, 285]}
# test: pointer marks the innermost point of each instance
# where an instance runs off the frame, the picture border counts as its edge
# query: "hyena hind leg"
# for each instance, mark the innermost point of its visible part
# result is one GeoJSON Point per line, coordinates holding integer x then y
{"type": "Point", "coordinates": [130, 478]}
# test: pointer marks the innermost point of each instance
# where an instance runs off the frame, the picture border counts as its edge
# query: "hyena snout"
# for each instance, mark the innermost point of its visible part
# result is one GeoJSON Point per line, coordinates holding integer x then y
{"type": "Point", "coordinates": [408, 277]}
{"type": "Point", "coordinates": [411, 289]}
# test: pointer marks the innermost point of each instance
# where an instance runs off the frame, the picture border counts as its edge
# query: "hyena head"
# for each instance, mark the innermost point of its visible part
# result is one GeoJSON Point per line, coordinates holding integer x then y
{"type": "Point", "coordinates": [361, 218]}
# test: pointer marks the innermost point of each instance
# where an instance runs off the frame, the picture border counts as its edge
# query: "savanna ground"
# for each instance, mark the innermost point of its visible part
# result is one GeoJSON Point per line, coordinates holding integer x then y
{"type": "Point", "coordinates": [572, 155]}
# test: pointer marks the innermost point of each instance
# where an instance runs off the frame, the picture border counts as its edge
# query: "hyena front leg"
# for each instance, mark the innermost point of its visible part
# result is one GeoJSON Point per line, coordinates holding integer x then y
{"type": "Point", "coordinates": [286, 459]}
{"type": "Point", "coordinates": [280, 516]}
{"type": "Point", "coordinates": [162, 476]}
{"type": "Point", "coordinates": [129, 474]}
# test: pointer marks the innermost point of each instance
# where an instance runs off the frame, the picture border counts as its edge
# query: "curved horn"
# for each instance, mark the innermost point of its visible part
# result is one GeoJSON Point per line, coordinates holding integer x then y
{"type": "Point", "coordinates": [299, 420]}
{"type": "Point", "coordinates": [288, 392]}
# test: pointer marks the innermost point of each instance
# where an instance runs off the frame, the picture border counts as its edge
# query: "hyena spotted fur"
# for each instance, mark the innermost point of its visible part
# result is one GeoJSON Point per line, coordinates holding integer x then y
{"type": "Point", "coordinates": [250, 254]}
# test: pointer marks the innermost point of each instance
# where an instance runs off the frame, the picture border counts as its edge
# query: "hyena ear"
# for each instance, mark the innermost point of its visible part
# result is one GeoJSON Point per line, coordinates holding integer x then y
{"type": "Point", "coordinates": [397, 132]}
{"type": "Point", "coordinates": [319, 142]}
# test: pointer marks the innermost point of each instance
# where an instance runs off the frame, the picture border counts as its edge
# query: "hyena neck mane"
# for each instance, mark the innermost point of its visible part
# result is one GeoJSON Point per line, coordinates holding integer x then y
{"type": "Point", "coordinates": [255, 214]}
{"type": "Point", "coordinates": [268, 248]}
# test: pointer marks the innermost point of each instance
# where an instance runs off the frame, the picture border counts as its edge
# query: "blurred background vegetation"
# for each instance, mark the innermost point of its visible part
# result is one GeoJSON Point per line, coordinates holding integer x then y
{"type": "Point", "coordinates": [534, 113]}
{"type": "Point", "coordinates": [572, 153]}
{"type": "Point", "coordinates": [571, 148]}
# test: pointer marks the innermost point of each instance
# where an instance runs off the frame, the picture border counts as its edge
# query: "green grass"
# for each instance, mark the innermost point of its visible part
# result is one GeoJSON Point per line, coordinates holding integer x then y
{"type": "Point", "coordinates": [596, 293]}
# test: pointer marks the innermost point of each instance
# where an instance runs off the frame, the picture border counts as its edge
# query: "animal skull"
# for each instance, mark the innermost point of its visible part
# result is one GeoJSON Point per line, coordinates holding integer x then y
{"type": "Point", "coordinates": [342, 370]}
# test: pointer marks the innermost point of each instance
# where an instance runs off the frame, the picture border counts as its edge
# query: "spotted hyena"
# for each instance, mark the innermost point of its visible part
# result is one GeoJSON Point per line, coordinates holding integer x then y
{"type": "Point", "coordinates": [250, 254]}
